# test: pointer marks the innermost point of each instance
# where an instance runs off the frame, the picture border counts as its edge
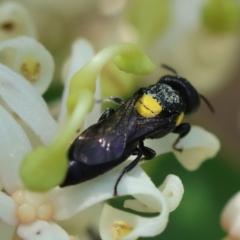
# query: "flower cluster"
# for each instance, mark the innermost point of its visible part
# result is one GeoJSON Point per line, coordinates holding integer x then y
{"type": "Point", "coordinates": [36, 145]}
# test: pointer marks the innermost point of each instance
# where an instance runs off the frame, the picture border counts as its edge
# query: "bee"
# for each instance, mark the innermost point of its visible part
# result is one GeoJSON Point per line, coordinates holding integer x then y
{"type": "Point", "coordinates": [152, 112]}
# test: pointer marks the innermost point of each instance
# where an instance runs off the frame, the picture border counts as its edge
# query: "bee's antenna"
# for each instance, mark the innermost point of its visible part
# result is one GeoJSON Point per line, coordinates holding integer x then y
{"type": "Point", "coordinates": [207, 103]}
{"type": "Point", "coordinates": [169, 68]}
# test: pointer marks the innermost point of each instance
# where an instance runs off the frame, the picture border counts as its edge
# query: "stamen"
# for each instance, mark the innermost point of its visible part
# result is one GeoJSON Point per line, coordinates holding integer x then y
{"type": "Point", "coordinates": [31, 69]}
{"type": "Point", "coordinates": [121, 229]}
{"type": "Point", "coordinates": [7, 26]}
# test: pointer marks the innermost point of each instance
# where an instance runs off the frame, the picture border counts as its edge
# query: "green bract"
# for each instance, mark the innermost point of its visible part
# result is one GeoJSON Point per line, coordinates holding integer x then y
{"type": "Point", "coordinates": [134, 61]}
{"type": "Point", "coordinates": [128, 58]}
{"type": "Point", "coordinates": [43, 168]}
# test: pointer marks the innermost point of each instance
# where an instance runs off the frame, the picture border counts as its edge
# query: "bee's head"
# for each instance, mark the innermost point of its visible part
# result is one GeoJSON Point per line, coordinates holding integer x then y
{"type": "Point", "coordinates": [189, 94]}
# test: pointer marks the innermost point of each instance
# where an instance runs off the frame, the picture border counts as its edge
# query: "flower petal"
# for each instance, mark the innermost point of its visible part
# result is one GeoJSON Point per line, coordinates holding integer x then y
{"type": "Point", "coordinates": [116, 224]}
{"type": "Point", "coordinates": [198, 146]}
{"type": "Point", "coordinates": [76, 226]}
{"type": "Point", "coordinates": [230, 218]}
{"type": "Point", "coordinates": [13, 146]}
{"type": "Point", "coordinates": [32, 60]}
{"type": "Point", "coordinates": [172, 189]}
{"type": "Point", "coordinates": [8, 210]}
{"type": "Point", "coordinates": [71, 200]}
{"type": "Point", "coordinates": [41, 230]}
{"type": "Point", "coordinates": [15, 20]}
{"type": "Point", "coordinates": [82, 52]}
{"type": "Point", "coordinates": [24, 100]}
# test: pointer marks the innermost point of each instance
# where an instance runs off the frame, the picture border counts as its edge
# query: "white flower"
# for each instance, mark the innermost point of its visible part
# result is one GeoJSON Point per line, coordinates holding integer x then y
{"type": "Point", "coordinates": [15, 21]}
{"type": "Point", "coordinates": [34, 212]}
{"type": "Point", "coordinates": [230, 218]}
{"type": "Point", "coordinates": [198, 146]}
{"type": "Point", "coordinates": [44, 167]}
{"type": "Point", "coordinates": [31, 60]}
{"type": "Point", "coordinates": [21, 207]}
{"type": "Point", "coordinates": [31, 212]}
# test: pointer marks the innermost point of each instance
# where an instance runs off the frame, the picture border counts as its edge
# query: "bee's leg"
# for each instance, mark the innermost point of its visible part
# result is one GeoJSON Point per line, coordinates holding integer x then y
{"type": "Point", "coordinates": [147, 152]}
{"type": "Point", "coordinates": [114, 99]}
{"type": "Point", "coordinates": [128, 168]}
{"type": "Point", "coordinates": [107, 113]}
{"type": "Point", "coordinates": [182, 129]}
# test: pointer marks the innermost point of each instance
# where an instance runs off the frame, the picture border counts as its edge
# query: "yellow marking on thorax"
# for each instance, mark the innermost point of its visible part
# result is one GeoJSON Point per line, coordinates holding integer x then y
{"type": "Point", "coordinates": [180, 118]}
{"type": "Point", "coordinates": [148, 107]}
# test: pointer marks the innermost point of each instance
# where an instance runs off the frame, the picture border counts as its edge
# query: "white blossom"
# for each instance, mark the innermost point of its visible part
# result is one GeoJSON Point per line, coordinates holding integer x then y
{"type": "Point", "coordinates": [34, 214]}
{"type": "Point", "coordinates": [230, 217]}
{"type": "Point", "coordinates": [15, 21]}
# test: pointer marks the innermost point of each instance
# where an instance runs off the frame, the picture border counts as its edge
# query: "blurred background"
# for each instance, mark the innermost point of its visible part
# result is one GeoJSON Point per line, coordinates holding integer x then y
{"type": "Point", "coordinates": [199, 38]}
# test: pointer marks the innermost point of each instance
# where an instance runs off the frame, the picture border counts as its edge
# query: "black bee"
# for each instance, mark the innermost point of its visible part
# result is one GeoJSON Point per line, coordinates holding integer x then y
{"type": "Point", "coordinates": [152, 112]}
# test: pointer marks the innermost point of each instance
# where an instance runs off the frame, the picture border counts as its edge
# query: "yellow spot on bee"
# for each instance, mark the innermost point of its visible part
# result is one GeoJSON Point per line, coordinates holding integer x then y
{"type": "Point", "coordinates": [120, 229]}
{"type": "Point", "coordinates": [30, 69]}
{"type": "Point", "coordinates": [148, 107]}
{"type": "Point", "coordinates": [180, 118]}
